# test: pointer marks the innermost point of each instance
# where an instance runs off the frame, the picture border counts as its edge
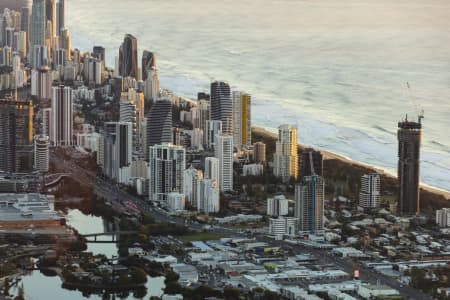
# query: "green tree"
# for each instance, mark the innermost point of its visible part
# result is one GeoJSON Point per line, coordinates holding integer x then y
{"type": "Point", "coordinates": [231, 293]}
{"type": "Point", "coordinates": [6, 287]}
{"type": "Point", "coordinates": [138, 275]}
{"type": "Point", "coordinates": [419, 281]}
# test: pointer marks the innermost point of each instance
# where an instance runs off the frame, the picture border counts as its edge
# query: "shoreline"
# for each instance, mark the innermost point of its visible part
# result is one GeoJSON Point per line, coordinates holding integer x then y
{"type": "Point", "coordinates": [327, 155]}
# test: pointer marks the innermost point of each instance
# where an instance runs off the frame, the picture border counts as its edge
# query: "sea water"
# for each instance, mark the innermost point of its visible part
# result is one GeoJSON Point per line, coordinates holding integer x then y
{"type": "Point", "coordinates": [338, 69]}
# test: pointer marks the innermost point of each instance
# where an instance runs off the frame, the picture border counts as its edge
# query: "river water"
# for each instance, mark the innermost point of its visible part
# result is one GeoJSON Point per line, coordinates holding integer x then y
{"type": "Point", "coordinates": [39, 286]}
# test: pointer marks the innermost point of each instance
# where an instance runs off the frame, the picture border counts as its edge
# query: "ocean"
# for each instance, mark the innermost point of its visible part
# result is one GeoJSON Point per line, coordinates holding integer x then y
{"type": "Point", "coordinates": [338, 69]}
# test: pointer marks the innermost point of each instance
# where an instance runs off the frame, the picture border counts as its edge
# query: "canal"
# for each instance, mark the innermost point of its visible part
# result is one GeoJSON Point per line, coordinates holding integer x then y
{"type": "Point", "coordinates": [39, 286]}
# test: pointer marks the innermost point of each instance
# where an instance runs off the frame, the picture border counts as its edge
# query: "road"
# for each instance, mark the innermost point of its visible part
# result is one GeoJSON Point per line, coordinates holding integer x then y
{"type": "Point", "coordinates": [324, 257]}
{"type": "Point", "coordinates": [81, 175]}
{"type": "Point", "coordinates": [117, 196]}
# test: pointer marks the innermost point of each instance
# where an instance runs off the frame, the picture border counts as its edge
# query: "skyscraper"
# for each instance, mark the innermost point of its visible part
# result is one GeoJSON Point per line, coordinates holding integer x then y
{"type": "Point", "coordinates": [38, 23]}
{"type": "Point", "coordinates": [212, 169]}
{"type": "Point", "coordinates": [151, 85]}
{"type": "Point", "coordinates": [9, 37]}
{"type": "Point", "coordinates": [6, 56]}
{"type": "Point", "coordinates": [277, 206]}
{"type": "Point", "coordinates": [132, 110]}
{"type": "Point", "coordinates": [191, 178]}
{"type": "Point", "coordinates": [65, 42]}
{"type": "Point", "coordinates": [242, 120]}
{"type": "Point", "coordinates": [128, 113]}
{"type": "Point", "coordinates": [59, 58]}
{"type": "Point", "coordinates": [61, 128]}
{"type": "Point", "coordinates": [16, 135]}
{"type": "Point", "coordinates": [128, 65]}
{"type": "Point", "coordinates": [159, 123]}
{"type": "Point", "coordinates": [223, 150]}
{"type": "Point", "coordinates": [46, 121]}
{"type": "Point", "coordinates": [51, 17]}
{"type": "Point", "coordinates": [99, 53]}
{"type": "Point", "coordinates": [60, 18]}
{"type": "Point", "coordinates": [222, 106]}
{"type": "Point", "coordinates": [25, 20]}
{"type": "Point", "coordinates": [148, 63]}
{"type": "Point", "coordinates": [41, 83]}
{"type": "Point", "coordinates": [285, 159]}
{"type": "Point", "coordinates": [259, 152]}
{"type": "Point", "coordinates": [311, 163]}
{"type": "Point", "coordinates": [208, 199]}
{"type": "Point", "coordinates": [213, 128]}
{"type": "Point", "coordinates": [117, 152]}
{"type": "Point", "coordinates": [409, 136]}
{"type": "Point", "coordinates": [200, 114]}
{"type": "Point", "coordinates": [39, 56]}
{"type": "Point", "coordinates": [369, 196]}
{"type": "Point", "coordinates": [166, 171]}
{"type": "Point", "coordinates": [41, 153]}
{"type": "Point", "coordinates": [21, 43]}
{"type": "Point", "coordinates": [309, 202]}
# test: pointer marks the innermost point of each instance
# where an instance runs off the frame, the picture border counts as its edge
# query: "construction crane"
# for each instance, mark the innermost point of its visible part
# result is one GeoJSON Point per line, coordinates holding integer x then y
{"type": "Point", "coordinates": [420, 114]}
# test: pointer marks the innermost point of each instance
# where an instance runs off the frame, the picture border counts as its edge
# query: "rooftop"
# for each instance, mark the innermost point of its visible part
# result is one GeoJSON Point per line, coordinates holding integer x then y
{"type": "Point", "coordinates": [27, 207]}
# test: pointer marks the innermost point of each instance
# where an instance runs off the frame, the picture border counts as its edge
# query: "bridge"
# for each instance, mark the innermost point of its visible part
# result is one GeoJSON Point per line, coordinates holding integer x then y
{"type": "Point", "coordinates": [54, 179]}
{"type": "Point", "coordinates": [115, 236]}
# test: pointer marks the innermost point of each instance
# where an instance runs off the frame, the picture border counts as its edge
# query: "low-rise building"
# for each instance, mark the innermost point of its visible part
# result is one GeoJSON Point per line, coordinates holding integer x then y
{"type": "Point", "coordinates": [175, 201]}
{"type": "Point", "coordinates": [188, 274]}
{"type": "Point", "coordinates": [172, 297]}
{"type": "Point", "coordinates": [443, 217]}
{"type": "Point", "coordinates": [24, 210]}
{"type": "Point", "coordinates": [297, 293]}
{"type": "Point", "coordinates": [169, 259]}
{"type": "Point", "coordinates": [369, 291]}
{"type": "Point", "coordinates": [240, 218]}
{"type": "Point", "coordinates": [348, 252]}
{"type": "Point", "coordinates": [283, 226]}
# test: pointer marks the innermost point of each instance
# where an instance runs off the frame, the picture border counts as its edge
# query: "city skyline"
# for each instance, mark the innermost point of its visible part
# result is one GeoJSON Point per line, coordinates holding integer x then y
{"type": "Point", "coordinates": [363, 132]}
{"type": "Point", "coordinates": [188, 189]}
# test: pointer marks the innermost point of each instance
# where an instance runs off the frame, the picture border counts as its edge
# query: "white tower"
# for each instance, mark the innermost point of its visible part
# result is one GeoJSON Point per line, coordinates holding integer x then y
{"type": "Point", "coordinates": [41, 153]}
{"type": "Point", "coordinates": [224, 152]}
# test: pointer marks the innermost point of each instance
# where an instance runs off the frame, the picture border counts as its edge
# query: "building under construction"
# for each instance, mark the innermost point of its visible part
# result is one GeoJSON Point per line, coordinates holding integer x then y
{"type": "Point", "coordinates": [409, 137]}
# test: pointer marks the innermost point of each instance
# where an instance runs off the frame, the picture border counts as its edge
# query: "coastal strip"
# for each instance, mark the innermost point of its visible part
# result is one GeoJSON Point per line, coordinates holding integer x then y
{"type": "Point", "coordinates": [427, 192]}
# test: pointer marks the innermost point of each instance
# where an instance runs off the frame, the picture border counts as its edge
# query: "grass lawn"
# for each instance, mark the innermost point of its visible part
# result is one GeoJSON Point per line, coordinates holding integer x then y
{"type": "Point", "coordinates": [200, 236]}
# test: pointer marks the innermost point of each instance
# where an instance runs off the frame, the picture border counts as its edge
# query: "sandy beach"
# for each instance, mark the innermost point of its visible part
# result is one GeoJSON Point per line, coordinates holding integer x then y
{"type": "Point", "coordinates": [329, 155]}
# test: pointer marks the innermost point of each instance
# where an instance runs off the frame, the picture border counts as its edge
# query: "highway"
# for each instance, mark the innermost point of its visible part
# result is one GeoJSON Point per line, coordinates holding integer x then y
{"type": "Point", "coordinates": [324, 257]}
{"type": "Point", "coordinates": [81, 175]}
{"type": "Point", "coordinates": [117, 197]}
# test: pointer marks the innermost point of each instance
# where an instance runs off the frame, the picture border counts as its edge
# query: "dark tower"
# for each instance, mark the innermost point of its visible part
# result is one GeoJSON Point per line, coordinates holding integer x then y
{"type": "Point", "coordinates": [16, 136]}
{"type": "Point", "coordinates": [60, 18]}
{"type": "Point", "coordinates": [409, 136]}
{"type": "Point", "coordinates": [128, 66]}
{"type": "Point", "coordinates": [25, 21]}
{"type": "Point", "coordinates": [311, 163]}
{"type": "Point", "coordinates": [222, 106]}
{"type": "Point", "coordinates": [159, 123]}
{"type": "Point", "coordinates": [148, 63]}
{"type": "Point", "coordinates": [50, 9]}
{"type": "Point", "coordinates": [99, 52]}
